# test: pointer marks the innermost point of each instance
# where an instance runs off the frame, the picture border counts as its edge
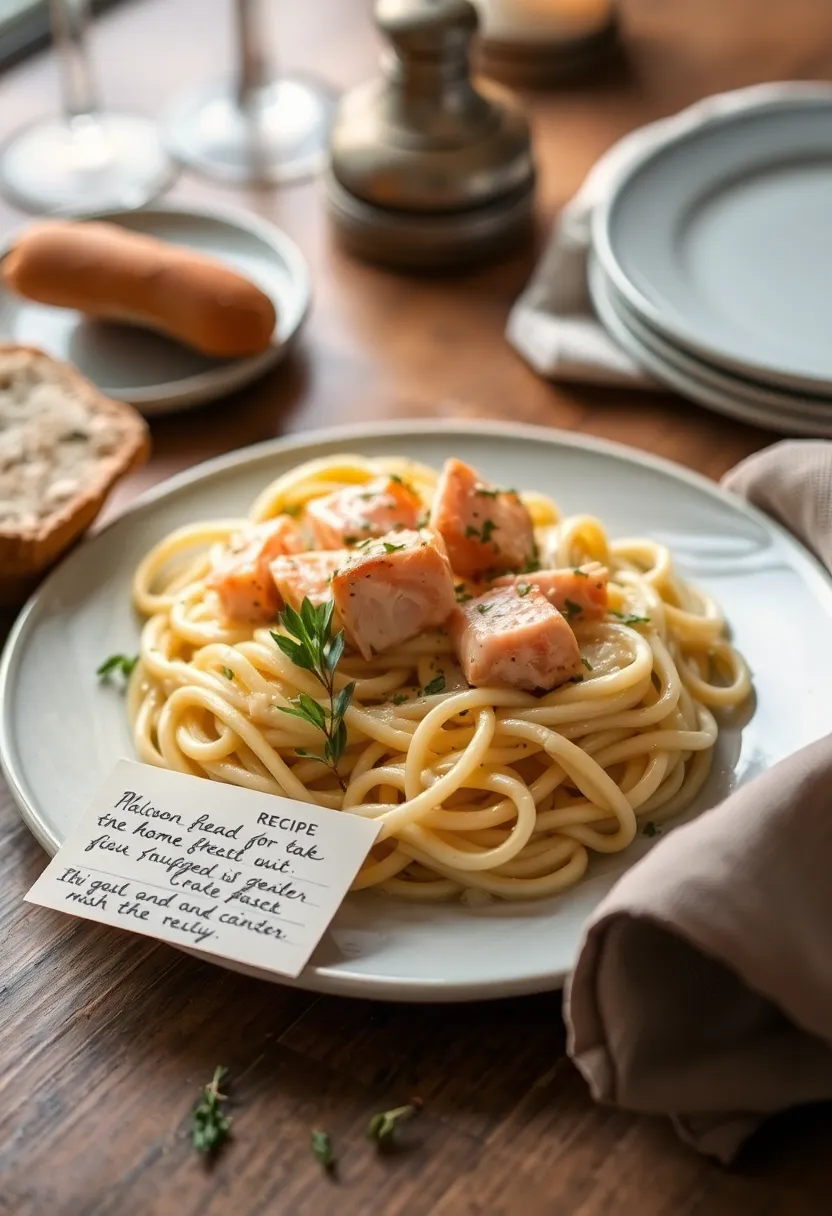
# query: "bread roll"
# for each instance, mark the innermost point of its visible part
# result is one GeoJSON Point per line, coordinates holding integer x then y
{"type": "Point", "coordinates": [106, 271]}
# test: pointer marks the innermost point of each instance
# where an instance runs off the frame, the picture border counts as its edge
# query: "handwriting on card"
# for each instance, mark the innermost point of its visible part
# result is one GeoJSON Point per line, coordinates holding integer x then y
{"type": "Point", "coordinates": [241, 874]}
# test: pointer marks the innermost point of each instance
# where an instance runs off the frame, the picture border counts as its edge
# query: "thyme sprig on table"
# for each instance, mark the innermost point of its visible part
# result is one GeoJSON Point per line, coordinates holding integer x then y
{"type": "Point", "coordinates": [311, 646]}
{"type": "Point", "coordinates": [382, 1127]}
{"type": "Point", "coordinates": [210, 1123]}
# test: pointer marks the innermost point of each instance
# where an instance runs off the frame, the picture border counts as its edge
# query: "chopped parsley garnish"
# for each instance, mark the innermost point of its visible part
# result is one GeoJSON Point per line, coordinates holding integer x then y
{"type": "Point", "coordinates": [629, 618]}
{"type": "Point", "coordinates": [587, 663]}
{"type": "Point", "coordinates": [488, 528]}
{"type": "Point", "coordinates": [117, 664]}
{"type": "Point", "coordinates": [362, 544]}
{"type": "Point", "coordinates": [462, 595]}
{"type": "Point", "coordinates": [227, 672]}
{"type": "Point", "coordinates": [350, 540]}
{"type": "Point", "coordinates": [651, 829]}
{"type": "Point", "coordinates": [210, 1124]}
{"type": "Point", "coordinates": [436, 685]}
{"type": "Point", "coordinates": [398, 698]}
{"type": "Point", "coordinates": [388, 548]}
{"type": "Point", "coordinates": [483, 608]}
{"type": "Point", "coordinates": [382, 1127]}
{"type": "Point", "coordinates": [322, 1149]}
{"type": "Point", "coordinates": [523, 588]}
{"type": "Point", "coordinates": [572, 609]}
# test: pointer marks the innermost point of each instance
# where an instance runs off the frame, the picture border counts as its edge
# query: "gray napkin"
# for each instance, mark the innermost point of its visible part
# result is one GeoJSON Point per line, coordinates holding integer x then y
{"type": "Point", "coordinates": [552, 324]}
{"type": "Point", "coordinates": [703, 989]}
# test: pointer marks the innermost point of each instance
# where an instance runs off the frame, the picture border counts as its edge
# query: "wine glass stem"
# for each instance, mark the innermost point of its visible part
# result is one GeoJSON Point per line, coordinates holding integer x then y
{"type": "Point", "coordinates": [252, 67]}
{"type": "Point", "coordinates": [69, 20]}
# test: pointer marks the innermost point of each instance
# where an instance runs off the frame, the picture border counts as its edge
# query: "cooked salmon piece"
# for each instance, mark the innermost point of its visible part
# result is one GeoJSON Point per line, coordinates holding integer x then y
{"type": "Point", "coordinates": [241, 576]}
{"type": "Point", "coordinates": [580, 592]}
{"type": "Point", "coordinates": [485, 529]}
{"type": "Point", "coordinates": [357, 512]}
{"type": "Point", "coordinates": [514, 641]}
{"type": "Point", "coordinates": [307, 576]}
{"type": "Point", "coordinates": [393, 588]}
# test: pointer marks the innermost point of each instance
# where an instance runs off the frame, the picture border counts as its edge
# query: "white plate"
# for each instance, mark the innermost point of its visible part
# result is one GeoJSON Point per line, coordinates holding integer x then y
{"type": "Point", "coordinates": [777, 401]}
{"type": "Point", "coordinates": [60, 732]}
{"type": "Point", "coordinates": [152, 372]}
{"type": "Point", "coordinates": [720, 237]}
{"type": "Point", "coordinates": [688, 377]}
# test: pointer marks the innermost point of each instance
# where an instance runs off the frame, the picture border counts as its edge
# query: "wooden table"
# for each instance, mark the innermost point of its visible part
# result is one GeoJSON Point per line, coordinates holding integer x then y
{"type": "Point", "coordinates": [106, 1038]}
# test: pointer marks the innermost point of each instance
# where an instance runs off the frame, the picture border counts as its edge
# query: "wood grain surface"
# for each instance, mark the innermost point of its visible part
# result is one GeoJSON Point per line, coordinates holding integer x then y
{"type": "Point", "coordinates": [105, 1039]}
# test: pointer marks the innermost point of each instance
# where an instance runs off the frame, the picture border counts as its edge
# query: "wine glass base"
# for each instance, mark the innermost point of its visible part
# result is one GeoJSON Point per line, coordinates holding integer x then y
{"type": "Point", "coordinates": [96, 162]}
{"type": "Point", "coordinates": [281, 134]}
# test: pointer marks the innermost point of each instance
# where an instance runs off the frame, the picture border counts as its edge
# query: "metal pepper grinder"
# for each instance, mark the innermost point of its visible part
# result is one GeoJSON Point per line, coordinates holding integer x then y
{"type": "Point", "coordinates": [426, 171]}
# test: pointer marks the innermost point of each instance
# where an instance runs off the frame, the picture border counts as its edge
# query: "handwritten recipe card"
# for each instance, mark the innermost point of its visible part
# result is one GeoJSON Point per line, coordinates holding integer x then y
{"type": "Point", "coordinates": [244, 875]}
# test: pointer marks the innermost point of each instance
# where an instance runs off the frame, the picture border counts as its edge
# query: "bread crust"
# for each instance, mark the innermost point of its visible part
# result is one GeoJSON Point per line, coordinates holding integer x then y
{"type": "Point", "coordinates": [106, 271]}
{"type": "Point", "coordinates": [27, 552]}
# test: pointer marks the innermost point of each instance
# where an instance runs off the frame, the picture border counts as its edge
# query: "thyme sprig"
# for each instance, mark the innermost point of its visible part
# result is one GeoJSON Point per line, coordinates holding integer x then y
{"type": "Point", "coordinates": [210, 1124]}
{"type": "Point", "coordinates": [311, 646]}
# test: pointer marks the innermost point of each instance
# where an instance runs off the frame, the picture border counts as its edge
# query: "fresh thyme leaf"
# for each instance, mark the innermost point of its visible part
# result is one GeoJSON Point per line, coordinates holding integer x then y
{"type": "Point", "coordinates": [399, 698]}
{"type": "Point", "coordinates": [630, 618]}
{"type": "Point", "coordinates": [294, 651]}
{"type": "Point", "coordinates": [437, 684]}
{"type": "Point", "coordinates": [483, 608]}
{"type": "Point", "coordinates": [322, 1149]}
{"type": "Point", "coordinates": [382, 1127]}
{"type": "Point", "coordinates": [121, 664]}
{"type": "Point", "coordinates": [210, 1124]}
{"type": "Point", "coordinates": [523, 588]}
{"type": "Point", "coordinates": [651, 829]}
{"type": "Point", "coordinates": [227, 672]}
{"type": "Point", "coordinates": [313, 711]}
{"type": "Point", "coordinates": [462, 595]}
{"type": "Point", "coordinates": [388, 548]}
{"type": "Point", "coordinates": [362, 544]}
{"type": "Point", "coordinates": [313, 648]}
{"type": "Point", "coordinates": [485, 492]}
{"type": "Point", "coordinates": [587, 663]}
{"type": "Point", "coordinates": [488, 527]}
{"type": "Point", "coordinates": [580, 573]}
{"type": "Point", "coordinates": [572, 609]}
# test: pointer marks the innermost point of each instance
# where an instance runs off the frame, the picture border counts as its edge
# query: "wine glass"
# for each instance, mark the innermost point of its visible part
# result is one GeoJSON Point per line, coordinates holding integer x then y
{"type": "Point", "coordinates": [254, 127]}
{"type": "Point", "coordinates": [87, 159]}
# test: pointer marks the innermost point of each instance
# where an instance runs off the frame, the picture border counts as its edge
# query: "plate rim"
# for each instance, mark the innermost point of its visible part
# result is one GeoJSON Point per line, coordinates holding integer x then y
{"type": "Point", "coordinates": [816, 96]}
{"type": "Point", "coordinates": [688, 384]}
{"type": "Point", "coordinates": [330, 979]}
{"type": "Point", "coordinates": [200, 387]}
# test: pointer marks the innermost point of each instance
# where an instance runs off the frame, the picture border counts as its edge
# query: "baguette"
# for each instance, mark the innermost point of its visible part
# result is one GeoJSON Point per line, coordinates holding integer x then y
{"type": "Point", "coordinates": [63, 446]}
{"type": "Point", "coordinates": [108, 272]}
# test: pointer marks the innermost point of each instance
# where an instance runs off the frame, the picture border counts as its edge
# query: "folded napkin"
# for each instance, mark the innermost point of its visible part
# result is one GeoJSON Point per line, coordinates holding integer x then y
{"type": "Point", "coordinates": [703, 989]}
{"type": "Point", "coordinates": [552, 324]}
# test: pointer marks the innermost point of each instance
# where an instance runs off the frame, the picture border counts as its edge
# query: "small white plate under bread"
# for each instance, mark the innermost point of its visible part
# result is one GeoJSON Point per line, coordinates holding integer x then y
{"type": "Point", "coordinates": [63, 446]}
{"type": "Point", "coordinates": [146, 369]}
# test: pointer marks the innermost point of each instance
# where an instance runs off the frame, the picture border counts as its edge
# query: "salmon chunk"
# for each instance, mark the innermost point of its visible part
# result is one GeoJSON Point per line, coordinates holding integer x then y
{"type": "Point", "coordinates": [241, 576]}
{"type": "Point", "coordinates": [355, 513]}
{"type": "Point", "coordinates": [580, 593]}
{"type": "Point", "coordinates": [485, 529]}
{"type": "Point", "coordinates": [393, 588]}
{"type": "Point", "coordinates": [307, 576]}
{"type": "Point", "coordinates": [515, 641]}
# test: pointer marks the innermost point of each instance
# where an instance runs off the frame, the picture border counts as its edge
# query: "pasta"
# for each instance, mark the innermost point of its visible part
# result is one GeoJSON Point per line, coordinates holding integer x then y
{"type": "Point", "coordinates": [480, 791]}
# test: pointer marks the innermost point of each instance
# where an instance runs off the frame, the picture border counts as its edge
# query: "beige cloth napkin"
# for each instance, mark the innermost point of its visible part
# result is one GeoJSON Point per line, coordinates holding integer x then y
{"type": "Point", "coordinates": [552, 324]}
{"type": "Point", "coordinates": [703, 989]}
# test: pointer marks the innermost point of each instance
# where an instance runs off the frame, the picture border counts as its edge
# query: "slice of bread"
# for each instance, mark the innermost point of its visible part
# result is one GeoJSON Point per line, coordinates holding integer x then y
{"type": "Point", "coordinates": [63, 445]}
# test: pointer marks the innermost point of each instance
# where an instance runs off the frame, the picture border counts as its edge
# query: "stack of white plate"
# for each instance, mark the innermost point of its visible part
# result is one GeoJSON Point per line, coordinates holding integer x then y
{"type": "Point", "coordinates": [712, 264]}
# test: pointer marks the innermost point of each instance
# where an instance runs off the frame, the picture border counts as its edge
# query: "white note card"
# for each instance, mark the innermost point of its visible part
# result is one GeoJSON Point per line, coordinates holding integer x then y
{"type": "Point", "coordinates": [241, 874]}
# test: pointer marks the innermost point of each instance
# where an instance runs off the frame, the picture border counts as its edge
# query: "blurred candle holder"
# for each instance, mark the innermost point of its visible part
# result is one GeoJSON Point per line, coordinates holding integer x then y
{"type": "Point", "coordinates": [255, 127]}
{"type": "Point", "coordinates": [540, 43]}
{"type": "Point", "coordinates": [87, 159]}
